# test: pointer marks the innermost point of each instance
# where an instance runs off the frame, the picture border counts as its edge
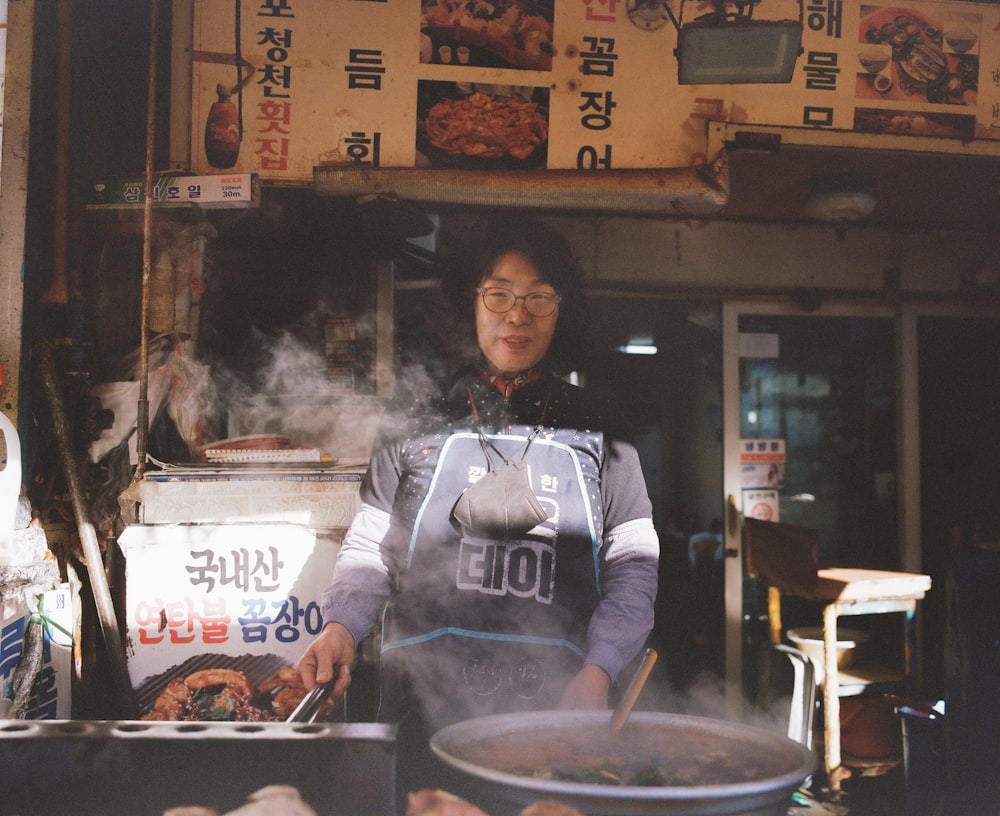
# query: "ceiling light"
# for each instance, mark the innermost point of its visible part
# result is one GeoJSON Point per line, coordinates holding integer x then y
{"type": "Point", "coordinates": [635, 348]}
{"type": "Point", "coordinates": [841, 207]}
{"type": "Point", "coordinates": [639, 344]}
{"type": "Point", "coordinates": [840, 198]}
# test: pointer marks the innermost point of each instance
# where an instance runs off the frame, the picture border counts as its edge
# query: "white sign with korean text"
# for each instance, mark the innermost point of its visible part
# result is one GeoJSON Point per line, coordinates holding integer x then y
{"type": "Point", "coordinates": [223, 592]}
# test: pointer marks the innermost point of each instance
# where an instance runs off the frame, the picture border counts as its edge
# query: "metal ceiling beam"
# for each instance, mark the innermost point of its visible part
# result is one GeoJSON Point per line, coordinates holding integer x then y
{"type": "Point", "coordinates": [685, 192]}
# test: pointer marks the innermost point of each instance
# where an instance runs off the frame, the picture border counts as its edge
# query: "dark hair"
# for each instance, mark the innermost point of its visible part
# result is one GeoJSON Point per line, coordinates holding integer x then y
{"type": "Point", "coordinates": [548, 250]}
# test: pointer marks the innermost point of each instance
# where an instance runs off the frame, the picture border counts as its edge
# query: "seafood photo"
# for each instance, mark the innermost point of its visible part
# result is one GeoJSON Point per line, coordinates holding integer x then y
{"type": "Point", "coordinates": [220, 694]}
{"type": "Point", "coordinates": [919, 58]}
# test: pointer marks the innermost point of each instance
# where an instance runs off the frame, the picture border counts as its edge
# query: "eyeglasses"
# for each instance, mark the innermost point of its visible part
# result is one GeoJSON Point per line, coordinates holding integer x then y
{"type": "Point", "coordinates": [501, 301]}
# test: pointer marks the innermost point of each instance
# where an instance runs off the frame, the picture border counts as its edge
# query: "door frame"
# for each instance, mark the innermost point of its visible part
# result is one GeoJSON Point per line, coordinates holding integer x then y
{"type": "Point", "coordinates": [907, 456]}
{"type": "Point", "coordinates": [17, 63]}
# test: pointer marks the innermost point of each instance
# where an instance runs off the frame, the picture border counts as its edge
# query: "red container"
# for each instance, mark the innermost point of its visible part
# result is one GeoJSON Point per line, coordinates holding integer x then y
{"type": "Point", "coordinates": [869, 728]}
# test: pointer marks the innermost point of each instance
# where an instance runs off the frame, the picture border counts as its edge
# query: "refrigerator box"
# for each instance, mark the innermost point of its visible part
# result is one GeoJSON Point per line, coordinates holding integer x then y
{"type": "Point", "coordinates": [234, 602]}
{"type": "Point", "coordinates": [224, 191]}
{"type": "Point", "coordinates": [312, 494]}
{"type": "Point", "coordinates": [56, 610]}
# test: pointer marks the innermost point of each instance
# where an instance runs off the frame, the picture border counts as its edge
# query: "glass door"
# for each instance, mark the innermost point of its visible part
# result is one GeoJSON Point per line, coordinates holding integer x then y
{"type": "Point", "coordinates": [810, 439]}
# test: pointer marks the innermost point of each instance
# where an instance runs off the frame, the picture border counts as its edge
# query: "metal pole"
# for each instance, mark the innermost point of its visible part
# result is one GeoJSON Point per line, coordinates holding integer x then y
{"type": "Point", "coordinates": [58, 289]}
{"type": "Point", "coordinates": [88, 537]}
{"type": "Point", "coordinates": [142, 409]}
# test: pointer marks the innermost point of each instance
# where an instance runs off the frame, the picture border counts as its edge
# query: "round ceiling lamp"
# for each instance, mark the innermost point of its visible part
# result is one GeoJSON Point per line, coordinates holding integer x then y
{"type": "Point", "coordinates": [841, 206]}
{"type": "Point", "coordinates": [840, 198]}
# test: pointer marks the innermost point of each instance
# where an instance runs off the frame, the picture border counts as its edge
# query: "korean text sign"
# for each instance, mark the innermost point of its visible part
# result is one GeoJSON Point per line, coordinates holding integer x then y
{"type": "Point", "coordinates": [561, 84]}
{"type": "Point", "coordinates": [221, 589]}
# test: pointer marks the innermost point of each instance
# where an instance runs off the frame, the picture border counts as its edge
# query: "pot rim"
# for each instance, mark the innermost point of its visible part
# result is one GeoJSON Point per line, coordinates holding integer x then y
{"type": "Point", "coordinates": [442, 743]}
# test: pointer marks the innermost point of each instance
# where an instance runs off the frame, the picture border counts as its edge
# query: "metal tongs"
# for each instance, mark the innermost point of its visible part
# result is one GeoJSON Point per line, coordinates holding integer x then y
{"type": "Point", "coordinates": [306, 711]}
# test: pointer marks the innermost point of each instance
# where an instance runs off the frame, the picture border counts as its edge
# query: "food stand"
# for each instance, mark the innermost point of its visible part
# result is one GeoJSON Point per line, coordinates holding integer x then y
{"type": "Point", "coordinates": [383, 99]}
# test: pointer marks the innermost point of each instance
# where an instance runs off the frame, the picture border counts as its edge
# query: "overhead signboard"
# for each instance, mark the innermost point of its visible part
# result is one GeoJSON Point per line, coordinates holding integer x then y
{"type": "Point", "coordinates": [280, 87]}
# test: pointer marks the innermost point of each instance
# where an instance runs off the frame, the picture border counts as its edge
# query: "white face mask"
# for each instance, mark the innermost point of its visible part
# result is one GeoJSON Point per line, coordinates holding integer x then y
{"type": "Point", "coordinates": [501, 504]}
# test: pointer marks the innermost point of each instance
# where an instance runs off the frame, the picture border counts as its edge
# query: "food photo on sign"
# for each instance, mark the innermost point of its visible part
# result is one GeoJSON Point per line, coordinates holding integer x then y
{"type": "Point", "coordinates": [482, 126]}
{"type": "Point", "coordinates": [221, 688]}
{"type": "Point", "coordinates": [499, 34]}
{"type": "Point", "coordinates": [928, 61]}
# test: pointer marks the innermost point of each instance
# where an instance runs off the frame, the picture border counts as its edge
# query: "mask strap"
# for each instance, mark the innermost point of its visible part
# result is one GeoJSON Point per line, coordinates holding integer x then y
{"type": "Point", "coordinates": [485, 443]}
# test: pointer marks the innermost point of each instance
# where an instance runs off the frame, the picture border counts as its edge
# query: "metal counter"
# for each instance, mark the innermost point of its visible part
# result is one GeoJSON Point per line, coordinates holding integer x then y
{"type": "Point", "coordinates": [138, 768]}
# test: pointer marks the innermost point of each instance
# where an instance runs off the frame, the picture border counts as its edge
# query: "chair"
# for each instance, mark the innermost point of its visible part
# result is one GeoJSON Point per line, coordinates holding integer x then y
{"type": "Point", "coordinates": [785, 557]}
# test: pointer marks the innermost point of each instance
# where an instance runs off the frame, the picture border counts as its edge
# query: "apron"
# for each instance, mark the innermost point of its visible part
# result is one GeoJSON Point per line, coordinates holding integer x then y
{"type": "Point", "coordinates": [481, 626]}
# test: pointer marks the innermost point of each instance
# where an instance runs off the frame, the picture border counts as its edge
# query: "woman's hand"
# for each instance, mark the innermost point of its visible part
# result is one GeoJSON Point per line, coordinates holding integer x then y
{"type": "Point", "coordinates": [588, 689]}
{"type": "Point", "coordinates": [329, 657]}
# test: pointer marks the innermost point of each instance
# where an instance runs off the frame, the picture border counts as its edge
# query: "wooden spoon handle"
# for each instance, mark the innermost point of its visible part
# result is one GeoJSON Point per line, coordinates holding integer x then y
{"type": "Point", "coordinates": [632, 692]}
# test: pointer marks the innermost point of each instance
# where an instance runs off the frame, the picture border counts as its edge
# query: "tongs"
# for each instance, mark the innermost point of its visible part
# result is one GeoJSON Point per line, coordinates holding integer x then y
{"type": "Point", "coordinates": [306, 711]}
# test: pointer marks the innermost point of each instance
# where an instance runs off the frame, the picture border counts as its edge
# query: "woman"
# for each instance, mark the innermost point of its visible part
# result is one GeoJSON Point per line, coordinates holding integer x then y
{"type": "Point", "coordinates": [509, 534]}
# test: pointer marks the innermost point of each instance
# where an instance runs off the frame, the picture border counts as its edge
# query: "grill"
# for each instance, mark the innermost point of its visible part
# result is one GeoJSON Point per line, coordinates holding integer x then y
{"type": "Point", "coordinates": [137, 768]}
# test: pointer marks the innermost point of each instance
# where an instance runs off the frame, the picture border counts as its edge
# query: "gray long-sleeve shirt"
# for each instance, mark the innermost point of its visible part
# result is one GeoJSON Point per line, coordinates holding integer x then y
{"type": "Point", "coordinates": [371, 563]}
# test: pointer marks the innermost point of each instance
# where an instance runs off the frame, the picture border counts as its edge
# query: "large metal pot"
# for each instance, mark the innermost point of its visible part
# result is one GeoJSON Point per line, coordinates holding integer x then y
{"type": "Point", "coordinates": [734, 768]}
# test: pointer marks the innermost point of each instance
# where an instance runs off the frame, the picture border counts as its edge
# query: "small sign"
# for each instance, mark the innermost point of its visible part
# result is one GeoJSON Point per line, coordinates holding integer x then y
{"type": "Point", "coordinates": [761, 504]}
{"type": "Point", "coordinates": [762, 463]}
{"type": "Point", "coordinates": [341, 340]}
{"type": "Point", "coordinates": [231, 190]}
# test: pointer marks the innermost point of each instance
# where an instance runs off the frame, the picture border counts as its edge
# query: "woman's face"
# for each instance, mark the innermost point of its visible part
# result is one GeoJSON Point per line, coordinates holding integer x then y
{"type": "Point", "coordinates": [514, 341]}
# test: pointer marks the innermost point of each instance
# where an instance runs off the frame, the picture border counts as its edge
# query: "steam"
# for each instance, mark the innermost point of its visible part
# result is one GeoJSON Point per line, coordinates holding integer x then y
{"type": "Point", "coordinates": [708, 695]}
{"type": "Point", "coordinates": [300, 397]}
{"type": "Point", "coordinates": [295, 389]}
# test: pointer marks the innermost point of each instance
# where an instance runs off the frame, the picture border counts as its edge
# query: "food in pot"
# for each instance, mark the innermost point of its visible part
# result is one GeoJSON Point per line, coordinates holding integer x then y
{"type": "Point", "coordinates": [634, 757]}
{"type": "Point", "coordinates": [672, 771]}
{"type": "Point", "coordinates": [486, 126]}
{"type": "Point", "coordinates": [720, 766]}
